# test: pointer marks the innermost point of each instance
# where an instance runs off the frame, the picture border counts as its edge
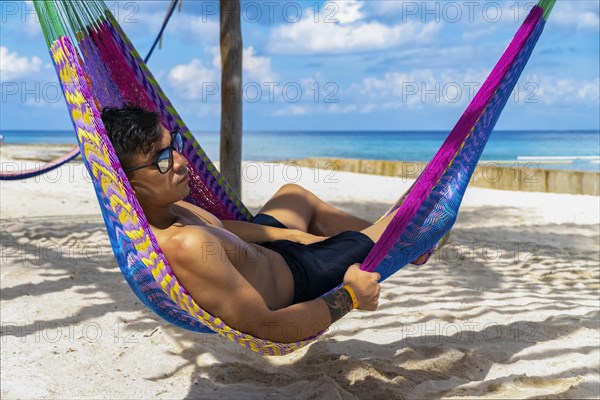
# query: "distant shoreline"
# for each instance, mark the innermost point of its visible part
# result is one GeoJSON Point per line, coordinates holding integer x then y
{"type": "Point", "coordinates": [517, 175]}
{"type": "Point", "coordinates": [440, 131]}
{"type": "Point", "coordinates": [46, 152]}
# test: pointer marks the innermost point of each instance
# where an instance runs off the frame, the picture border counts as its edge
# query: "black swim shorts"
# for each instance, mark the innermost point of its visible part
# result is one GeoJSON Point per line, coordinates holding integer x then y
{"type": "Point", "coordinates": [318, 267]}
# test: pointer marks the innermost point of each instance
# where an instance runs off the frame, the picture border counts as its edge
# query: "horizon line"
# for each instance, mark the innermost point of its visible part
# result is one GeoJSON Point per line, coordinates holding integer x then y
{"type": "Point", "coordinates": [336, 130]}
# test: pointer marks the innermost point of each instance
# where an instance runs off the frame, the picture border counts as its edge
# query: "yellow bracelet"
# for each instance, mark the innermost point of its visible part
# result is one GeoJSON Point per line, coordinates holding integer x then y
{"type": "Point", "coordinates": [352, 295]}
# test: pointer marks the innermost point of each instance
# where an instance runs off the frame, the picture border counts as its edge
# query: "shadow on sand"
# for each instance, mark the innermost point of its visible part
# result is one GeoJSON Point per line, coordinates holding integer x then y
{"type": "Point", "coordinates": [349, 368]}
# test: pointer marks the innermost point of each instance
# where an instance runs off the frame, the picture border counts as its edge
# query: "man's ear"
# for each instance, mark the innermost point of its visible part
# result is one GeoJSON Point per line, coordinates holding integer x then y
{"type": "Point", "coordinates": [143, 190]}
{"type": "Point", "coordinates": [132, 182]}
{"type": "Point", "coordinates": [128, 176]}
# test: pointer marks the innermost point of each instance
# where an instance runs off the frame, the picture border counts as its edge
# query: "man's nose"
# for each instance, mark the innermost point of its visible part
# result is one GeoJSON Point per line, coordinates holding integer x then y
{"type": "Point", "coordinates": [179, 161]}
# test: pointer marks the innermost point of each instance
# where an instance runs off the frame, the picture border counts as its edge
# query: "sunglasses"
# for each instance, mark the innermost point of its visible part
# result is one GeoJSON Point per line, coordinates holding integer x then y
{"type": "Point", "coordinates": [164, 160]}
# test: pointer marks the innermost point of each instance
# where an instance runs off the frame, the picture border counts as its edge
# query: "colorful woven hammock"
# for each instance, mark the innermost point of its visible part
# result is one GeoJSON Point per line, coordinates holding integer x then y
{"type": "Point", "coordinates": [106, 70]}
{"type": "Point", "coordinates": [30, 173]}
{"type": "Point", "coordinates": [72, 154]}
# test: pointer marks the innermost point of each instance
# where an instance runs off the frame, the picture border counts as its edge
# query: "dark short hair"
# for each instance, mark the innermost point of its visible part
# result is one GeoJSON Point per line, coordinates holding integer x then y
{"type": "Point", "coordinates": [131, 130]}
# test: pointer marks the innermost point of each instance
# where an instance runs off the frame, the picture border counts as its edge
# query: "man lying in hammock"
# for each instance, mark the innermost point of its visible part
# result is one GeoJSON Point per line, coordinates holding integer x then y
{"type": "Point", "coordinates": [262, 277]}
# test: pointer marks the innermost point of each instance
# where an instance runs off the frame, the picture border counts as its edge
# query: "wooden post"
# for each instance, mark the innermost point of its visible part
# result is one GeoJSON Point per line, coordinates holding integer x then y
{"type": "Point", "coordinates": [231, 93]}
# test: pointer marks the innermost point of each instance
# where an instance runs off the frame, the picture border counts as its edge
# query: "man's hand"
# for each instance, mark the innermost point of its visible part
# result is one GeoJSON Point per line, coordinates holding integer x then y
{"type": "Point", "coordinates": [365, 286]}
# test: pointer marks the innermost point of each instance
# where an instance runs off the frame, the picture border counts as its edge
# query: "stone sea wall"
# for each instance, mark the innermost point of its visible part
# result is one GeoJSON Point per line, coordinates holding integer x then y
{"type": "Point", "coordinates": [522, 176]}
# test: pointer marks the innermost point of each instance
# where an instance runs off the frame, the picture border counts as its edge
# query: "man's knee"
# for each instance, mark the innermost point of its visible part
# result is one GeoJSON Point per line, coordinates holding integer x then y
{"type": "Point", "coordinates": [293, 188]}
{"type": "Point", "coordinates": [299, 192]}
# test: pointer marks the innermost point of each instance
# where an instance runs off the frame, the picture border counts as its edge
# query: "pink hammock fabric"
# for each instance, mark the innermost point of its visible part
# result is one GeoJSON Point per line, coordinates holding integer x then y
{"type": "Point", "coordinates": [453, 143]}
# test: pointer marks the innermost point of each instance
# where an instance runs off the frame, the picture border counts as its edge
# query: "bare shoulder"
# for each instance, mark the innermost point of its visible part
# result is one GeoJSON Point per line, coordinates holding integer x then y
{"type": "Point", "coordinates": [200, 213]}
{"type": "Point", "coordinates": [192, 244]}
{"type": "Point", "coordinates": [199, 260]}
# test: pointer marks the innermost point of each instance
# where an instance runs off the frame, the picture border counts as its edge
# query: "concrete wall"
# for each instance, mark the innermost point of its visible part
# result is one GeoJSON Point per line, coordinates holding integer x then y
{"type": "Point", "coordinates": [529, 177]}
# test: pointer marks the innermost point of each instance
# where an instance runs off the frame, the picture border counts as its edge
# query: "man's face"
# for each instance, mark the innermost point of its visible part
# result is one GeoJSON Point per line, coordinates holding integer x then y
{"type": "Point", "coordinates": [152, 188]}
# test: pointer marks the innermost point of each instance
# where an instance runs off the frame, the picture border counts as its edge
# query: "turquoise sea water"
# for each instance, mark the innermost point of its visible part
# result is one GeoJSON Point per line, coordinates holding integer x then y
{"type": "Point", "coordinates": [574, 150]}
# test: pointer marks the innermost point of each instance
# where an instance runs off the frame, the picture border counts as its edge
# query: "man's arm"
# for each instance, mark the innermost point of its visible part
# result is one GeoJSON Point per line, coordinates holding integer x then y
{"type": "Point", "coordinates": [256, 233]}
{"type": "Point", "coordinates": [203, 268]}
{"type": "Point", "coordinates": [252, 233]}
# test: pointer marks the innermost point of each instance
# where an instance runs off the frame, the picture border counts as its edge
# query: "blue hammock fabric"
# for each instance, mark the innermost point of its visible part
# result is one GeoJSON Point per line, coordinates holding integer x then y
{"type": "Point", "coordinates": [440, 210]}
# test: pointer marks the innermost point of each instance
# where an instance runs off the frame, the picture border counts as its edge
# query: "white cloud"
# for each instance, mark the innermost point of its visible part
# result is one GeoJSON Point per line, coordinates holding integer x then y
{"type": "Point", "coordinates": [420, 88]}
{"type": "Point", "coordinates": [196, 80]}
{"type": "Point", "coordinates": [352, 33]}
{"type": "Point", "coordinates": [588, 20]}
{"type": "Point", "coordinates": [255, 68]}
{"type": "Point", "coordinates": [14, 66]}
{"type": "Point", "coordinates": [567, 14]}
{"type": "Point", "coordinates": [349, 12]}
{"type": "Point", "coordinates": [589, 92]}
{"type": "Point", "coordinates": [452, 12]}
{"type": "Point", "coordinates": [582, 15]}
{"type": "Point", "coordinates": [193, 80]}
{"type": "Point", "coordinates": [553, 90]}
{"type": "Point", "coordinates": [216, 61]}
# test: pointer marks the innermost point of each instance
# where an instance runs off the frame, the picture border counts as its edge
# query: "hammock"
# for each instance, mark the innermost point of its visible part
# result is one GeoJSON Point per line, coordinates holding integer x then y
{"type": "Point", "coordinates": [31, 173]}
{"type": "Point", "coordinates": [106, 70]}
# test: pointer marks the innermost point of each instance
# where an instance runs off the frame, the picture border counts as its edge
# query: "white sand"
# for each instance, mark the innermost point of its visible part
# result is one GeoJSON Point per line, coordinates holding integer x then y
{"type": "Point", "coordinates": [508, 309]}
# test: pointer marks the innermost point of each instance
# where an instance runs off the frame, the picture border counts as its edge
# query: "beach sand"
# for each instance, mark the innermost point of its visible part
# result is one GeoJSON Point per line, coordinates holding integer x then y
{"type": "Point", "coordinates": [508, 309]}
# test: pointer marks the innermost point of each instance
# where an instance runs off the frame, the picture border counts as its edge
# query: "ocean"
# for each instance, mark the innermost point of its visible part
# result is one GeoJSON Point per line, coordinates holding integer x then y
{"type": "Point", "coordinates": [573, 150]}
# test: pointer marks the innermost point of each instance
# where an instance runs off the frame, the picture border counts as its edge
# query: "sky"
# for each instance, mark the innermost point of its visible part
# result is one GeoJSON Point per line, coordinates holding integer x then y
{"type": "Point", "coordinates": [331, 65]}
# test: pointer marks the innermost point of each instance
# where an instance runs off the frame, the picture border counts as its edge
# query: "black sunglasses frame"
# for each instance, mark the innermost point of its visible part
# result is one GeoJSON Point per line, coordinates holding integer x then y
{"type": "Point", "coordinates": [176, 144]}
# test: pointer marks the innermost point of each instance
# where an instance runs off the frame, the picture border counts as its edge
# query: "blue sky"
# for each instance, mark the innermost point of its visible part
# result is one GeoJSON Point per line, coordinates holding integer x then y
{"type": "Point", "coordinates": [339, 65]}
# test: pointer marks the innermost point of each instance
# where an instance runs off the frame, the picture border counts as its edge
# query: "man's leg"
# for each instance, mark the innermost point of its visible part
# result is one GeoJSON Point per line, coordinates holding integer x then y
{"type": "Point", "coordinates": [376, 230]}
{"type": "Point", "coordinates": [298, 208]}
